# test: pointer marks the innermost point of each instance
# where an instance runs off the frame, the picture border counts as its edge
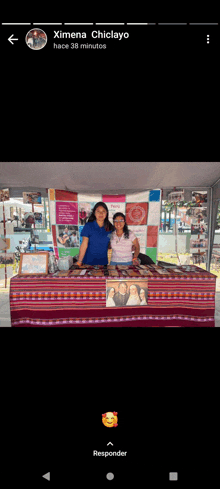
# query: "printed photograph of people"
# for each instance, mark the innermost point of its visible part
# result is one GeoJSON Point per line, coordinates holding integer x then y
{"type": "Point", "coordinates": [199, 243]}
{"type": "Point", "coordinates": [199, 228]}
{"type": "Point", "coordinates": [198, 212]}
{"type": "Point", "coordinates": [123, 293]}
{"type": "Point", "coordinates": [31, 197]}
{"type": "Point", "coordinates": [4, 194]}
{"type": "Point", "coordinates": [199, 197]}
{"type": "Point", "coordinates": [67, 236]}
{"type": "Point", "coordinates": [84, 212]}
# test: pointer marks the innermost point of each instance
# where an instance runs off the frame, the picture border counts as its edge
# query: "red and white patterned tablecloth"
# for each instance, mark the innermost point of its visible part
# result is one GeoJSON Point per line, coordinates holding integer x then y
{"type": "Point", "coordinates": [186, 300]}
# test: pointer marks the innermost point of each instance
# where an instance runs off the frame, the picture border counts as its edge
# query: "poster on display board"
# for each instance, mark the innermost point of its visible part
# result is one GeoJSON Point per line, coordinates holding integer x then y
{"type": "Point", "coordinates": [197, 212]}
{"type": "Point", "coordinates": [4, 194]}
{"type": "Point", "coordinates": [176, 196]}
{"type": "Point", "coordinates": [64, 222]}
{"type": "Point", "coordinates": [67, 236]}
{"type": "Point", "coordinates": [85, 209]}
{"type": "Point", "coordinates": [199, 228]}
{"type": "Point", "coordinates": [7, 258]}
{"type": "Point", "coordinates": [136, 213]}
{"type": "Point", "coordinates": [199, 243]}
{"type": "Point", "coordinates": [67, 213]}
{"type": "Point", "coordinates": [31, 198]}
{"type": "Point", "coordinates": [199, 197]}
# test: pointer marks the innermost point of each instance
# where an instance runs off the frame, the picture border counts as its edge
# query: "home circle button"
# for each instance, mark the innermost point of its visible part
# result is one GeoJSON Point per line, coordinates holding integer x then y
{"type": "Point", "coordinates": [110, 476]}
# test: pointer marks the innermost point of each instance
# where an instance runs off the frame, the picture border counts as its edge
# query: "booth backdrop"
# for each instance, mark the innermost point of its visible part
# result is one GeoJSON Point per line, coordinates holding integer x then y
{"type": "Point", "coordinates": [142, 210]}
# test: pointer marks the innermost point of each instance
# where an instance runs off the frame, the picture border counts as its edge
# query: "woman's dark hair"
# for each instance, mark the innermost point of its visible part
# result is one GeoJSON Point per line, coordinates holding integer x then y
{"type": "Point", "coordinates": [108, 226]}
{"type": "Point", "coordinates": [108, 290]}
{"type": "Point", "coordinates": [125, 230]}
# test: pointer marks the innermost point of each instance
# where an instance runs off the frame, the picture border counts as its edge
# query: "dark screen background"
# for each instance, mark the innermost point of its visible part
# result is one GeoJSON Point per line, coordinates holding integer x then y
{"type": "Point", "coordinates": [151, 98]}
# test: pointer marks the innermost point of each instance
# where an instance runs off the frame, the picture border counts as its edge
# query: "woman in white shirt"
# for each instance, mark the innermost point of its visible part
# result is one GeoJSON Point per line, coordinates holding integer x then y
{"type": "Point", "coordinates": [110, 294]}
{"type": "Point", "coordinates": [134, 299]}
{"type": "Point", "coordinates": [121, 242]}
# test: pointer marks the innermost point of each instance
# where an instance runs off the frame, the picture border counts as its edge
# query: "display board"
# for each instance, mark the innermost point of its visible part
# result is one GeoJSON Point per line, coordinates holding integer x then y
{"type": "Point", "coordinates": [69, 212]}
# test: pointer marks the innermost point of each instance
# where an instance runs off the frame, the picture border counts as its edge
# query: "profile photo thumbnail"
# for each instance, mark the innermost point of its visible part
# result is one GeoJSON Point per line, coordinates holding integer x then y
{"type": "Point", "coordinates": [36, 39]}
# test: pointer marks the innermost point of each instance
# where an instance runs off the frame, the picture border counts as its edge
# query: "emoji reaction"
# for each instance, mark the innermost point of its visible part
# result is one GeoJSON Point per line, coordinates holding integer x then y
{"type": "Point", "coordinates": [110, 420]}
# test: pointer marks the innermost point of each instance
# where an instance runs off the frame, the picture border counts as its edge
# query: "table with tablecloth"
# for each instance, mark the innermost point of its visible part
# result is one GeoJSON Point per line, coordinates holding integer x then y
{"type": "Point", "coordinates": [184, 299]}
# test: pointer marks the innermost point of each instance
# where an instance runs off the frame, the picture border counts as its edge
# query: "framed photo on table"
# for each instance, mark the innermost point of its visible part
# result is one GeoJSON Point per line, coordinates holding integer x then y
{"type": "Point", "coordinates": [34, 263]}
{"type": "Point", "coordinates": [126, 292]}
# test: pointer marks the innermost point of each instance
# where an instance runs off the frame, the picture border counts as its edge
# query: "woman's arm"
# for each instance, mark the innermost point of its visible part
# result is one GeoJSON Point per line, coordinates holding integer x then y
{"type": "Point", "coordinates": [83, 249]}
{"type": "Point", "coordinates": [136, 246]}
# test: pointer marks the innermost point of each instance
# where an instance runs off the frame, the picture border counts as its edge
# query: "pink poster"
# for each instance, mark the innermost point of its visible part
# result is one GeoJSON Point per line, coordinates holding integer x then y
{"type": "Point", "coordinates": [113, 198]}
{"type": "Point", "coordinates": [66, 213]}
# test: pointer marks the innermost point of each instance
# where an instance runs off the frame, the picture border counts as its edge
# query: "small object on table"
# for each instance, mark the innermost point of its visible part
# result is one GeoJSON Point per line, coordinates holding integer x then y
{"type": "Point", "coordinates": [113, 273]}
{"type": "Point", "coordinates": [146, 272]}
{"type": "Point", "coordinates": [65, 262]}
{"type": "Point", "coordinates": [63, 274]}
{"type": "Point", "coordinates": [124, 273]}
{"type": "Point", "coordinates": [132, 273]}
{"type": "Point", "coordinates": [97, 273]}
{"type": "Point", "coordinates": [75, 272]}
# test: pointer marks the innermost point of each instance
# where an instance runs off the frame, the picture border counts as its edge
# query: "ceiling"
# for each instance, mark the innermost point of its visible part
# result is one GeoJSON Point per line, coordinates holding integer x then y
{"type": "Point", "coordinates": [108, 177]}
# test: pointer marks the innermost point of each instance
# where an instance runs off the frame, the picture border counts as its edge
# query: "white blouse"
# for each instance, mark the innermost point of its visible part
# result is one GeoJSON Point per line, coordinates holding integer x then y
{"type": "Point", "coordinates": [122, 247]}
{"type": "Point", "coordinates": [110, 302]}
{"type": "Point", "coordinates": [133, 300]}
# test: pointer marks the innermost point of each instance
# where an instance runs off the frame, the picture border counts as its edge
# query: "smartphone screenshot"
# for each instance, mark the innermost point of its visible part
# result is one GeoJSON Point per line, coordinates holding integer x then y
{"type": "Point", "coordinates": [109, 253]}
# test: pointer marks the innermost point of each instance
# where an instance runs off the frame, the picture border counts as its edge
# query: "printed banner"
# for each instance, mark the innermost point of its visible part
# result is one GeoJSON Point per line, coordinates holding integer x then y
{"type": "Point", "coordinates": [65, 195]}
{"type": "Point", "coordinates": [136, 214]}
{"type": "Point", "coordinates": [66, 213]}
{"type": "Point", "coordinates": [113, 198]}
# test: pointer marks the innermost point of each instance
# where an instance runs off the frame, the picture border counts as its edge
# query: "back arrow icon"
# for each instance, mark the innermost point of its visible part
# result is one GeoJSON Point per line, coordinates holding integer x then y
{"type": "Point", "coordinates": [11, 39]}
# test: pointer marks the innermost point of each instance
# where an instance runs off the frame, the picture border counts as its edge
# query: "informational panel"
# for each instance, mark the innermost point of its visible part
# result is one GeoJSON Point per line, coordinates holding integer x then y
{"type": "Point", "coordinates": [70, 211]}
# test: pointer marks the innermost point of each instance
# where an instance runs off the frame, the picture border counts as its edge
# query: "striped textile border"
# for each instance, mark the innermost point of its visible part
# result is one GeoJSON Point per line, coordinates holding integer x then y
{"type": "Point", "coordinates": [117, 321]}
{"type": "Point", "coordinates": [40, 301]}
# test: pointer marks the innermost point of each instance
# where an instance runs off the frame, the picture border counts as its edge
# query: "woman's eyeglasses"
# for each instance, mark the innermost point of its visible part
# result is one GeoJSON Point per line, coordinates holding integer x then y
{"type": "Point", "coordinates": [122, 220]}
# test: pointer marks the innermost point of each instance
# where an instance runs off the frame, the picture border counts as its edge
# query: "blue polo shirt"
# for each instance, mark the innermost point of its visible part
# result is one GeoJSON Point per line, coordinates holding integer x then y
{"type": "Point", "coordinates": [96, 253]}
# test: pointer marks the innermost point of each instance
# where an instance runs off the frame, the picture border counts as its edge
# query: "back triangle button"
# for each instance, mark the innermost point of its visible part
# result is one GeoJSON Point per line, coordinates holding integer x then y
{"type": "Point", "coordinates": [47, 476]}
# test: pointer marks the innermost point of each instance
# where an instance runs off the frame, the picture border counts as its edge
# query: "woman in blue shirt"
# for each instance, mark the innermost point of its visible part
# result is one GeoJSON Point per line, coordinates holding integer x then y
{"type": "Point", "coordinates": [95, 237]}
